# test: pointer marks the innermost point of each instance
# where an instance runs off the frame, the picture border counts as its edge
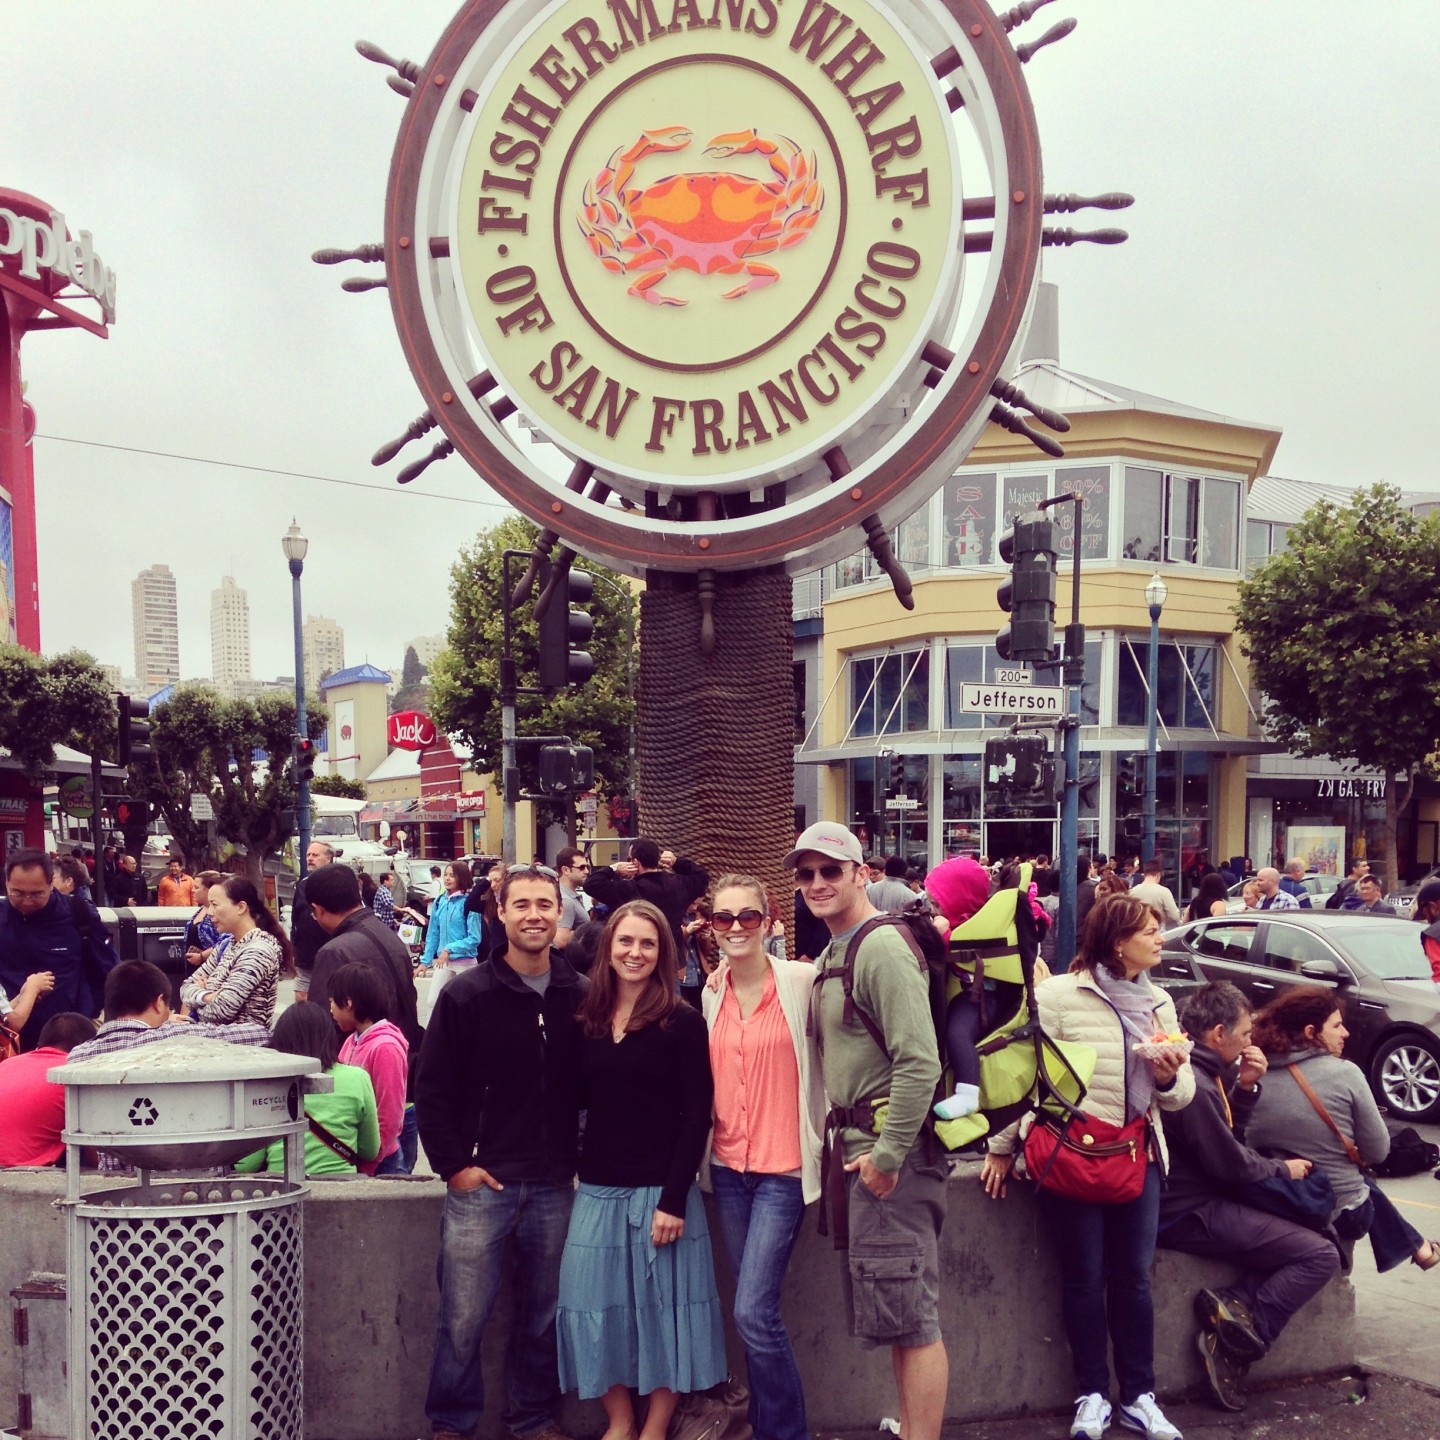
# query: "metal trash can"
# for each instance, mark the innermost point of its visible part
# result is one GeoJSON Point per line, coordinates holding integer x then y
{"type": "Point", "coordinates": [186, 1285]}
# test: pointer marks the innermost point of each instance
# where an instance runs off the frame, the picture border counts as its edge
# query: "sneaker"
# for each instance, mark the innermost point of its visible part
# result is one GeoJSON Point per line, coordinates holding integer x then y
{"type": "Point", "coordinates": [1230, 1319]}
{"type": "Point", "coordinates": [1223, 1372]}
{"type": "Point", "coordinates": [1144, 1415]}
{"type": "Point", "coordinates": [1092, 1415]}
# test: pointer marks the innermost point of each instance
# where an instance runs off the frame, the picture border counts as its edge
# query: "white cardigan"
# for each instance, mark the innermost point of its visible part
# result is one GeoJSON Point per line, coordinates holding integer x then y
{"type": "Point", "coordinates": [793, 982]}
{"type": "Point", "coordinates": [1073, 1007]}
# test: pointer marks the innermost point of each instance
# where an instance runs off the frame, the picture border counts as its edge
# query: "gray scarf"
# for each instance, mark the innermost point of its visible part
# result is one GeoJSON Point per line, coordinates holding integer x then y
{"type": "Point", "coordinates": [1134, 1001]}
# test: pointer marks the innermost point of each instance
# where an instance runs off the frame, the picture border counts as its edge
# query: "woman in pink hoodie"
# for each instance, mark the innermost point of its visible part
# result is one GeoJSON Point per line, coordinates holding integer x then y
{"type": "Point", "coordinates": [377, 1046]}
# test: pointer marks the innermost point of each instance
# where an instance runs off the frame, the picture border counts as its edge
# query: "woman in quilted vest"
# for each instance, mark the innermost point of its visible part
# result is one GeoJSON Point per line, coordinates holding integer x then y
{"type": "Point", "coordinates": [1105, 1249]}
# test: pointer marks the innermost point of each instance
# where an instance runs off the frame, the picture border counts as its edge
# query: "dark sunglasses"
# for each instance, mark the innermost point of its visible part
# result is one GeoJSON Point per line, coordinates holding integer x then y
{"type": "Point", "coordinates": [830, 873]}
{"type": "Point", "coordinates": [749, 919]}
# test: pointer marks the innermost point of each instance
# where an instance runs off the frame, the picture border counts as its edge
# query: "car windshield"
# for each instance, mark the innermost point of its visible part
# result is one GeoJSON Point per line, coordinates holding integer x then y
{"type": "Point", "coordinates": [335, 826]}
{"type": "Point", "coordinates": [1388, 951]}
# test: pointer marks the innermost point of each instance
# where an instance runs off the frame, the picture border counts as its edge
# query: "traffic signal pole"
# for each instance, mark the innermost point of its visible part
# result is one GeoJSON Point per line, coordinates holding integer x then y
{"type": "Point", "coordinates": [1074, 680]}
{"type": "Point", "coordinates": [97, 801]}
{"type": "Point", "coordinates": [302, 726]}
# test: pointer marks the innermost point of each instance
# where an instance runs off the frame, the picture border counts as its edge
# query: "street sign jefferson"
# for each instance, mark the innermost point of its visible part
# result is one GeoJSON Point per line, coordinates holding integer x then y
{"type": "Point", "coordinates": [1024, 700]}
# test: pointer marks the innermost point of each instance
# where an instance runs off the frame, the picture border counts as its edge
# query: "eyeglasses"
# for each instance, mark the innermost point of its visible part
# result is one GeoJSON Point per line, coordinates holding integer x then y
{"type": "Point", "coordinates": [749, 919]}
{"type": "Point", "coordinates": [523, 870]}
{"type": "Point", "coordinates": [829, 873]}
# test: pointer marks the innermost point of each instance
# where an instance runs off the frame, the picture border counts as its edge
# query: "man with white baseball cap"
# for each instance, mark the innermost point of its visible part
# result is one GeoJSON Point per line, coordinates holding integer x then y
{"type": "Point", "coordinates": [878, 1048]}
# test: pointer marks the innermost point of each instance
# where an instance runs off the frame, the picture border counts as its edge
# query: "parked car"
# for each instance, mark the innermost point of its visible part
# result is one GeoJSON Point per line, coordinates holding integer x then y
{"type": "Point", "coordinates": [1321, 888]}
{"type": "Point", "coordinates": [1374, 963]}
{"type": "Point", "coordinates": [1403, 898]}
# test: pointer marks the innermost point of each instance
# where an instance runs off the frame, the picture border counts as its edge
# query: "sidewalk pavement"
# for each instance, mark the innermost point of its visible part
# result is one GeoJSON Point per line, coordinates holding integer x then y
{"type": "Point", "coordinates": [1381, 1407]}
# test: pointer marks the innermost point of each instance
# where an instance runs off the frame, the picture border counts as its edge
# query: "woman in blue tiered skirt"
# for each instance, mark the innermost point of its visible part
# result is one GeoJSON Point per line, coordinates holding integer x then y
{"type": "Point", "coordinates": [638, 1306]}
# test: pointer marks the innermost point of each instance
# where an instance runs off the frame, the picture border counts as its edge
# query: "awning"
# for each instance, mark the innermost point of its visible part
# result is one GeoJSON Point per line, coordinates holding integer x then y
{"type": "Point", "coordinates": [383, 810]}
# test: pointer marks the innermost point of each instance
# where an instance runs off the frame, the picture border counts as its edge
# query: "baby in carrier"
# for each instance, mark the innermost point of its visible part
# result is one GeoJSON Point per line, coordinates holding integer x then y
{"type": "Point", "coordinates": [959, 888]}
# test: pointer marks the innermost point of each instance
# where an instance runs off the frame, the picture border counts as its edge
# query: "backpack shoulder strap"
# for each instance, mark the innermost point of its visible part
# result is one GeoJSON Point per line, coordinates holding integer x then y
{"type": "Point", "coordinates": [80, 914]}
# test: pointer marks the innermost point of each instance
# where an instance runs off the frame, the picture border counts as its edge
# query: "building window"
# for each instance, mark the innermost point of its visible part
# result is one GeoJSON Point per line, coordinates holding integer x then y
{"type": "Point", "coordinates": [890, 694]}
{"type": "Point", "coordinates": [1264, 538]}
{"type": "Point", "coordinates": [797, 675]}
{"type": "Point", "coordinates": [1180, 519]}
{"type": "Point", "coordinates": [1184, 700]}
{"type": "Point", "coordinates": [967, 520]}
{"type": "Point", "coordinates": [910, 540]}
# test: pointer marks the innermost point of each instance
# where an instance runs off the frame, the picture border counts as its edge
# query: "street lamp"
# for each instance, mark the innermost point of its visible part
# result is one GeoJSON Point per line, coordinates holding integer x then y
{"type": "Point", "coordinates": [1156, 593]}
{"type": "Point", "coordinates": [294, 544]}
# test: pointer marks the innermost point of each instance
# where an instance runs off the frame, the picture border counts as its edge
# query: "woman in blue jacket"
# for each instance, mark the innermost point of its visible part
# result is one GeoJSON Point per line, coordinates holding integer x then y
{"type": "Point", "coordinates": [452, 938]}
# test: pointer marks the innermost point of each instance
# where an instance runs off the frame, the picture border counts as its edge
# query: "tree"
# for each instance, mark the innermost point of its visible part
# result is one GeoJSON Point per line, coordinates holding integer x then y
{"type": "Point", "coordinates": [338, 786]}
{"type": "Point", "coordinates": [237, 754]}
{"type": "Point", "coordinates": [465, 677]}
{"type": "Point", "coordinates": [413, 692]}
{"type": "Point", "coordinates": [65, 700]}
{"type": "Point", "coordinates": [1343, 634]}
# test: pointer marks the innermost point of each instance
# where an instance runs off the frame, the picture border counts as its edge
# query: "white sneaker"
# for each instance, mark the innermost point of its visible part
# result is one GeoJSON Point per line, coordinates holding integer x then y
{"type": "Point", "coordinates": [1144, 1415]}
{"type": "Point", "coordinates": [1092, 1415]}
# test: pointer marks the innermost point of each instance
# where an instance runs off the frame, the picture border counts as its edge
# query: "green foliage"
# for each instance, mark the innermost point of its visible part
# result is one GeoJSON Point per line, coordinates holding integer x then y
{"type": "Point", "coordinates": [338, 786]}
{"type": "Point", "coordinates": [64, 700]}
{"type": "Point", "coordinates": [208, 745]}
{"type": "Point", "coordinates": [465, 678]}
{"type": "Point", "coordinates": [412, 672]}
{"type": "Point", "coordinates": [1343, 633]}
{"type": "Point", "coordinates": [413, 692]}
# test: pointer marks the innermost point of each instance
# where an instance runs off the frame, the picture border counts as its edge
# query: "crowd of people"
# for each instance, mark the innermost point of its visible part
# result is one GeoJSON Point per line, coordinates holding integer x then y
{"type": "Point", "coordinates": [706, 1047]}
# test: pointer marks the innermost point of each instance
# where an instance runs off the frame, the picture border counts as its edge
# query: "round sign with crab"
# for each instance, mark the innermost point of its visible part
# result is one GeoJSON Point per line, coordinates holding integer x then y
{"type": "Point", "coordinates": [712, 252]}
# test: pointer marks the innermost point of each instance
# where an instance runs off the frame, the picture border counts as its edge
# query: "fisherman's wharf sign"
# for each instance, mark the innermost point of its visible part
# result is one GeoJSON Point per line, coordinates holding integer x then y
{"type": "Point", "coordinates": [713, 251]}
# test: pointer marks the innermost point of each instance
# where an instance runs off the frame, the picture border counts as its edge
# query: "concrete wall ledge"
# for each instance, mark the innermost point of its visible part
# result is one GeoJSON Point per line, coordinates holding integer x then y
{"type": "Point", "coordinates": [370, 1308]}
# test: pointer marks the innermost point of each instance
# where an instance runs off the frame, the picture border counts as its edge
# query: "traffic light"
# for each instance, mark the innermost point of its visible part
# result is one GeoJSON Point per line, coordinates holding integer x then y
{"type": "Point", "coordinates": [1018, 762]}
{"type": "Point", "coordinates": [132, 745]}
{"type": "Point", "coordinates": [1028, 596]}
{"type": "Point", "coordinates": [563, 632]}
{"type": "Point", "coordinates": [303, 751]}
{"type": "Point", "coordinates": [130, 813]}
{"type": "Point", "coordinates": [565, 769]}
{"type": "Point", "coordinates": [897, 774]}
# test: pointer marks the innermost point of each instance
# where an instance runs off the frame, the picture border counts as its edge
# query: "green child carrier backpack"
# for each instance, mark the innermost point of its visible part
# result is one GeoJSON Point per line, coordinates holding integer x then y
{"type": "Point", "coordinates": [1021, 1067]}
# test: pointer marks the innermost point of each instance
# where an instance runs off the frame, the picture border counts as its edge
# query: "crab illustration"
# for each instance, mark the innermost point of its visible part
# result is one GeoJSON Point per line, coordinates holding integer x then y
{"type": "Point", "coordinates": [713, 221]}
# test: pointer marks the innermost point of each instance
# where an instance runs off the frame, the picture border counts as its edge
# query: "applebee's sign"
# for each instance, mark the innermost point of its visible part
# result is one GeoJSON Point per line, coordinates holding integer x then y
{"type": "Point", "coordinates": [31, 245]}
{"type": "Point", "coordinates": [410, 730]}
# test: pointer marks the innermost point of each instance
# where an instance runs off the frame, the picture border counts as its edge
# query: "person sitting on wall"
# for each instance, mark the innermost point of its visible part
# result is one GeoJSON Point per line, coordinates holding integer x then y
{"type": "Point", "coordinates": [1285, 1263]}
{"type": "Point", "coordinates": [33, 1108]}
{"type": "Point", "coordinates": [137, 1000]}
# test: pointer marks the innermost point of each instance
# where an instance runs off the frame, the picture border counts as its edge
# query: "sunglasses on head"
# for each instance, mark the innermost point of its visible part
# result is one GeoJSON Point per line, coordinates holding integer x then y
{"type": "Point", "coordinates": [749, 919]}
{"type": "Point", "coordinates": [829, 873]}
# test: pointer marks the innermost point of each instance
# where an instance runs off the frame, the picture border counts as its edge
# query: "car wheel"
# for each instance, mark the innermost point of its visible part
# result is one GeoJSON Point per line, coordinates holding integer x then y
{"type": "Point", "coordinates": [1405, 1075]}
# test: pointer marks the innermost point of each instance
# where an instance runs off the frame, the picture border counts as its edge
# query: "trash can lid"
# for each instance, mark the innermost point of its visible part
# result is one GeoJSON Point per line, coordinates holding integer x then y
{"type": "Point", "coordinates": [184, 1060]}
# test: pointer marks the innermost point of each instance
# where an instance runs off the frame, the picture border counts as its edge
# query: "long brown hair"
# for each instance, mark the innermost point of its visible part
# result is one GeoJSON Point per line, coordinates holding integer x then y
{"type": "Point", "coordinates": [1110, 922]}
{"type": "Point", "coordinates": [241, 891]}
{"type": "Point", "coordinates": [658, 1000]}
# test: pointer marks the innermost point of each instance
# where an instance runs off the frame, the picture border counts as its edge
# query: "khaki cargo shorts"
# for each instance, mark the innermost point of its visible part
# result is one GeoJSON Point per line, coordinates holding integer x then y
{"type": "Point", "coordinates": [892, 1283]}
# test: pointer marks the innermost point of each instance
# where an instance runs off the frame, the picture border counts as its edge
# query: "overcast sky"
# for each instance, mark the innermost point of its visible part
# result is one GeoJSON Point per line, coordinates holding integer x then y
{"type": "Point", "coordinates": [1280, 268]}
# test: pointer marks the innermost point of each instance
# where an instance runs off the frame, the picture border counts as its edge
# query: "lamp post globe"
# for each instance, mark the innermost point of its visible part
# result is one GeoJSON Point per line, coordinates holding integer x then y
{"type": "Point", "coordinates": [294, 544]}
{"type": "Point", "coordinates": [1156, 593]}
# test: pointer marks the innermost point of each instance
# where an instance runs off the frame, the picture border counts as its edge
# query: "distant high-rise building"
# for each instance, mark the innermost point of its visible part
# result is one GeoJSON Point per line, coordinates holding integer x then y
{"type": "Point", "coordinates": [229, 635]}
{"type": "Point", "coordinates": [427, 647]}
{"type": "Point", "coordinates": [155, 618]}
{"type": "Point", "coordinates": [324, 648]}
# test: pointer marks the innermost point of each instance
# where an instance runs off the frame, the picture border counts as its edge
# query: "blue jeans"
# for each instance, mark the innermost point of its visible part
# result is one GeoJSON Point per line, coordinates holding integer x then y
{"type": "Point", "coordinates": [1393, 1239]}
{"type": "Point", "coordinates": [402, 1161]}
{"type": "Point", "coordinates": [760, 1218]}
{"type": "Point", "coordinates": [477, 1224]}
{"type": "Point", "coordinates": [1105, 1256]}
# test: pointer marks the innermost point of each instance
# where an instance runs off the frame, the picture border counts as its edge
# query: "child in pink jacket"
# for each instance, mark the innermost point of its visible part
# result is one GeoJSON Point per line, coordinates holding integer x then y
{"type": "Point", "coordinates": [377, 1046]}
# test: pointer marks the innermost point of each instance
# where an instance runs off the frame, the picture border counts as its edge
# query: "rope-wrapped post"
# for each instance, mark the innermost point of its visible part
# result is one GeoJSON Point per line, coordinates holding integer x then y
{"type": "Point", "coordinates": [717, 731]}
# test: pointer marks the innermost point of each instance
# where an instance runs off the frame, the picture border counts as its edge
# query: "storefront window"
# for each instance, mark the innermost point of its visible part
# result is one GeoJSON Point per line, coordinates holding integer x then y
{"type": "Point", "coordinates": [911, 542]}
{"type": "Point", "coordinates": [1092, 482]}
{"type": "Point", "coordinates": [890, 694]}
{"type": "Point", "coordinates": [1181, 519]}
{"type": "Point", "coordinates": [1184, 698]}
{"type": "Point", "coordinates": [1182, 824]}
{"type": "Point", "coordinates": [967, 520]}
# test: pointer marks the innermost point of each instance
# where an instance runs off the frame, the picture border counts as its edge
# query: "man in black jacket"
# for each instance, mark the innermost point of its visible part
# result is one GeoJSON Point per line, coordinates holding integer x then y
{"type": "Point", "coordinates": [128, 885]}
{"type": "Point", "coordinates": [305, 935]}
{"type": "Point", "coordinates": [641, 878]}
{"type": "Point", "coordinates": [498, 1101]}
{"type": "Point", "coordinates": [1202, 1210]}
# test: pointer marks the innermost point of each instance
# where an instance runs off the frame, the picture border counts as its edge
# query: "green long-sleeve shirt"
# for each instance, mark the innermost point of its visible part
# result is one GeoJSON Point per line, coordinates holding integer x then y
{"type": "Point", "coordinates": [348, 1113]}
{"type": "Point", "coordinates": [892, 990]}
